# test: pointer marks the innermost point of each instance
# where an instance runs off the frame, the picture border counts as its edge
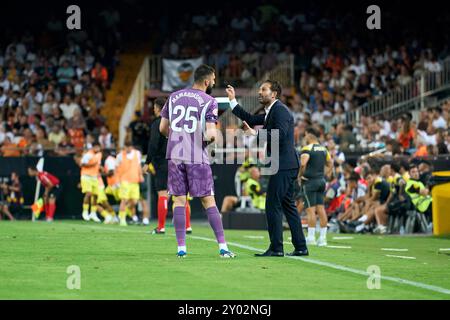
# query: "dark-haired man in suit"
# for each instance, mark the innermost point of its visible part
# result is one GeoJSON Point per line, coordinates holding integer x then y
{"type": "Point", "coordinates": [280, 193]}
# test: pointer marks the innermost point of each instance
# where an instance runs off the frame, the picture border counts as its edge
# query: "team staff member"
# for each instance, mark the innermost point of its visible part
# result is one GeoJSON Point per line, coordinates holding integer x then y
{"type": "Point", "coordinates": [419, 193]}
{"type": "Point", "coordinates": [280, 191]}
{"type": "Point", "coordinates": [253, 189]}
{"type": "Point", "coordinates": [380, 194]}
{"type": "Point", "coordinates": [14, 199]}
{"type": "Point", "coordinates": [112, 180]}
{"type": "Point", "coordinates": [130, 175]}
{"type": "Point", "coordinates": [103, 206]}
{"type": "Point", "coordinates": [52, 190]}
{"type": "Point", "coordinates": [156, 163]}
{"type": "Point", "coordinates": [90, 170]}
{"type": "Point", "coordinates": [314, 159]}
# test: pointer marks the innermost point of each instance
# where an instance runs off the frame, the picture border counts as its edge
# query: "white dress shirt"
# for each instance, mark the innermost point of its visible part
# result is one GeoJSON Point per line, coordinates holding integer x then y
{"type": "Point", "coordinates": [233, 103]}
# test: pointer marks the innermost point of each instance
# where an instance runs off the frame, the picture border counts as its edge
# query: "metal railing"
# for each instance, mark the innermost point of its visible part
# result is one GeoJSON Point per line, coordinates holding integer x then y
{"type": "Point", "coordinates": [411, 96]}
{"type": "Point", "coordinates": [283, 73]}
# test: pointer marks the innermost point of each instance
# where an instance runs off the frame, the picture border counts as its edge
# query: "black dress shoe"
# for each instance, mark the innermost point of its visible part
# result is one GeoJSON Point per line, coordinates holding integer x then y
{"type": "Point", "coordinates": [270, 253]}
{"type": "Point", "coordinates": [298, 253]}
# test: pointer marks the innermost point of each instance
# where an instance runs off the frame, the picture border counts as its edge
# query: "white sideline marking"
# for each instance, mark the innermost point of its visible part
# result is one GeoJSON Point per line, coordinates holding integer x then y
{"type": "Point", "coordinates": [444, 249]}
{"type": "Point", "coordinates": [393, 249]}
{"type": "Point", "coordinates": [401, 257]}
{"type": "Point", "coordinates": [343, 238]}
{"type": "Point", "coordinates": [254, 237]}
{"type": "Point", "coordinates": [338, 247]}
{"type": "Point", "coordinates": [342, 268]}
{"type": "Point", "coordinates": [308, 260]}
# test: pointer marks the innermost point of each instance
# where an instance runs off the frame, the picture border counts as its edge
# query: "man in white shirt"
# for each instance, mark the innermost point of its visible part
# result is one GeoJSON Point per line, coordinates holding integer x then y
{"type": "Point", "coordinates": [68, 107]}
{"type": "Point", "coordinates": [438, 119]}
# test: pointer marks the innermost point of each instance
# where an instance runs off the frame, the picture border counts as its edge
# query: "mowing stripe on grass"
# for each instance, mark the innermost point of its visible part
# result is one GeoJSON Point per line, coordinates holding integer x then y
{"type": "Point", "coordinates": [400, 257]}
{"type": "Point", "coordinates": [254, 237]}
{"type": "Point", "coordinates": [342, 268]}
{"type": "Point", "coordinates": [308, 260]}
{"type": "Point", "coordinates": [338, 247]}
{"type": "Point", "coordinates": [393, 249]}
{"type": "Point", "coordinates": [343, 238]}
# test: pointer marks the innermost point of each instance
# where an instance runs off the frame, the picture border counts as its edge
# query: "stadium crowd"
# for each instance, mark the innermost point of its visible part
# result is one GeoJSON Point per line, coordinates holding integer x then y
{"type": "Point", "coordinates": [51, 100]}
{"type": "Point", "coordinates": [335, 71]}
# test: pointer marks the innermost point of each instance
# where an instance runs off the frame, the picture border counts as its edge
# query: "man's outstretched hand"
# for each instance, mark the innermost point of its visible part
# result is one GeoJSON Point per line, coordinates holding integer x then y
{"type": "Point", "coordinates": [230, 92]}
{"type": "Point", "coordinates": [249, 131]}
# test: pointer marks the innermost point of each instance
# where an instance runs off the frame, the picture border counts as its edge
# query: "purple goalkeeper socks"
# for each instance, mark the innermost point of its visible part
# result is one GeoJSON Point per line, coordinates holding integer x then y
{"type": "Point", "coordinates": [215, 221]}
{"type": "Point", "coordinates": [179, 222]}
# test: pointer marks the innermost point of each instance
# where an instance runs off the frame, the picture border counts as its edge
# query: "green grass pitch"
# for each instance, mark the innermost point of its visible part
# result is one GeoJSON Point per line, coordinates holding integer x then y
{"type": "Point", "coordinates": [130, 263]}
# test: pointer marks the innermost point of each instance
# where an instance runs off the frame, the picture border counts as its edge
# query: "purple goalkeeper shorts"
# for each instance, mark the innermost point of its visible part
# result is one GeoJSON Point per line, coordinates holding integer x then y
{"type": "Point", "coordinates": [192, 178]}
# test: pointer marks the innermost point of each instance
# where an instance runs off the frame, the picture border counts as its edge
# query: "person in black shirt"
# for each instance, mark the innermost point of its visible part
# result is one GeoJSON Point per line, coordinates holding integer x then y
{"type": "Point", "coordinates": [156, 163]}
{"type": "Point", "coordinates": [380, 194]}
{"type": "Point", "coordinates": [12, 192]}
{"type": "Point", "coordinates": [140, 132]}
{"type": "Point", "coordinates": [387, 190]}
{"type": "Point", "coordinates": [425, 170]}
{"type": "Point", "coordinates": [314, 159]}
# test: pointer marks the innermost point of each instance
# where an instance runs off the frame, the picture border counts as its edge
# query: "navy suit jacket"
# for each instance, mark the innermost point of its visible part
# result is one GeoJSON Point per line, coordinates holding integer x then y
{"type": "Point", "coordinates": [279, 117]}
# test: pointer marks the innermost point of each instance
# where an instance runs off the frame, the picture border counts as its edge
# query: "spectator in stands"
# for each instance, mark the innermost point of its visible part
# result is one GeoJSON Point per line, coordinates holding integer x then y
{"type": "Point", "coordinates": [105, 138]}
{"type": "Point", "coordinates": [406, 135]}
{"type": "Point", "coordinates": [49, 104]}
{"type": "Point", "coordinates": [438, 119]}
{"type": "Point", "coordinates": [346, 137]}
{"type": "Point", "coordinates": [65, 148]}
{"type": "Point", "coordinates": [42, 141]}
{"type": "Point", "coordinates": [100, 75]}
{"type": "Point", "coordinates": [65, 73]}
{"type": "Point", "coordinates": [268, 61]}
{"type": "Point", "coordinates": [94, 121]}
{"type": "Point", "coordinates": [404, 78]}
{"type": "Point", "coordinates": [56, 136]}
{"type": "Point", "coordinates": [76, 122]}
{"type": "Point", "coordinates": [68, 107]}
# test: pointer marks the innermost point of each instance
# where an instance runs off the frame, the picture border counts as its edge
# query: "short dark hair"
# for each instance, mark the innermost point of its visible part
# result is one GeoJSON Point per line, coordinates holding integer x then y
{"type": "Point", "coordinates": [354, 177]}
{"type": "Point", "coordinates": [275, 86]}
{"type": "Point", "coordinates": [438, 110]}
{"type": "Point", "coordinates": [128, 143]}
{"type": "Point", "coordinates": [159, 102]}
{"type": "Point", "coordinates": [202, 72]}
{"type": "Point", "coordinates": [395, 166]}
{"type": "Point", "coordinates": [404, 164]}
{"type": "Point", "coordinates": [423, 126]}
{"type": "Point", "coordinates": [312, 131]}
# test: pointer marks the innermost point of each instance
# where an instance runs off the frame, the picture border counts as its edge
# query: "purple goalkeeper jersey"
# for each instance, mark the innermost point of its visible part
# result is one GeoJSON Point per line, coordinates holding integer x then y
{"type": "Point", "coordinates": [188, 110]}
